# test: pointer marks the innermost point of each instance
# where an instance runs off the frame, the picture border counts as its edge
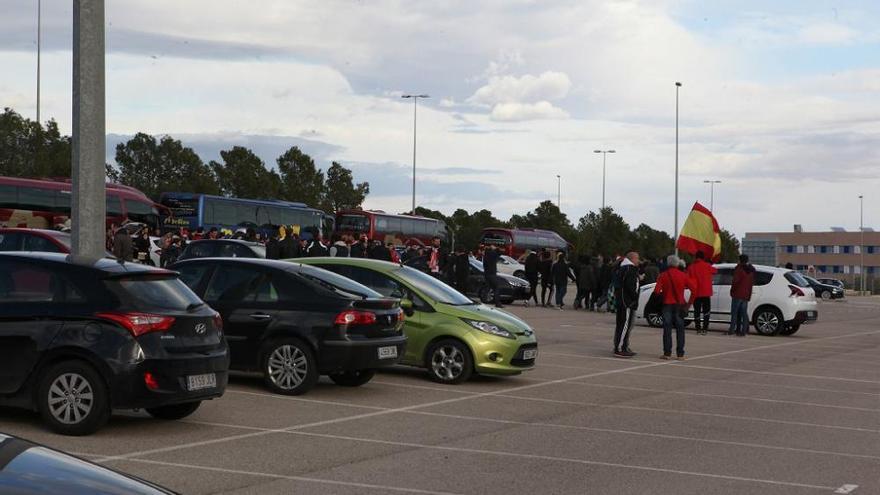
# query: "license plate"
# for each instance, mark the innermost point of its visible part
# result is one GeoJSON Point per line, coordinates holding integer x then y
{"type": "Point", "coordinates": [530, 354]}
{"type": "Point", "coordinates": [389, 352]}
{"type": "Point", "coordinates": [198, 382]}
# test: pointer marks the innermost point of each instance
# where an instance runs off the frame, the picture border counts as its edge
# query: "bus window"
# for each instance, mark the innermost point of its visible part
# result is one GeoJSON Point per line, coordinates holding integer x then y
{"type": "Point", "coordinates": [381, 224]}
{"type": "Point", "coordinates": [8, 196]}
{"type": "Point", "coordinates": [140, 211]}
{"type": "Point", "coordinates": [32, 198]}
{"type": "Point", "coordinates": [114, 206]}
{"type": "Point", "coordinates": [62, 202]}
{"type": "Point", "coordinates": [245, 213]}
{"type": "Point", "coordinates": [394, 225]}
{"type": "Point", "coordinates": [354, 223]}
{"type": "Point", "coordinates": [263, 217]}
{"type": "Point", "coordinates": [224, 213]}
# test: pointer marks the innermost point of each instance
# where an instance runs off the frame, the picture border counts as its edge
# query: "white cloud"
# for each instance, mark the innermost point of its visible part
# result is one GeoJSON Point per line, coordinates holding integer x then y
{"type": "Point", "coordinates": [518, 112]}
{"type": "Point", "coordinates": [549, 85]}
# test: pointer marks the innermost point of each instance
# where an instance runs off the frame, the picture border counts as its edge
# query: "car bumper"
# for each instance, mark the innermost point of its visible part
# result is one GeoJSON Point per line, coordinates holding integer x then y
{"type": "Point", "coordinates": [804, 317]}
{"type": "Point", "coordinates": [129, 389]}
{"type": "Point", "coordinates": [338, 356]}
{"type": "Point", "coordinates": [500, 356]}
{"type": "Point", "coordinates": [515, 293]}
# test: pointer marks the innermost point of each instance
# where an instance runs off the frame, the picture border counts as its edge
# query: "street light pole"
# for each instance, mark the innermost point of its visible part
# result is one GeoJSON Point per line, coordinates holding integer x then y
{"type": "Point", "coordinates": [415, 99]}
{"type": "Point", "coordinates": [675, 234]}
{"type": "Point", "coordinates": [39, 38]}
{"type": "Point", "coordinates": [559, 192]}
{"type": "Point", "coordinates": [862, 242]}
{"type": "Point", "coordinates": [604, 154]}
{"type": "Point", "coordinates": [712, 193]}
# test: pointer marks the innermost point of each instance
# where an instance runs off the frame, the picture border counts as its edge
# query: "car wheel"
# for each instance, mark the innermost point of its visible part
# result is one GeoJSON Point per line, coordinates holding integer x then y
{"type": "Point", "coordinates": [289, 367]}
{"type": "Point", "coordinates": [72, 398]}
{"type": "Point", "coordinates": [654, 319]}
{"type": "Point", "coordinates": [174, 411]}
{"type": "Point", "coordinates": [790, 330]}
{"type": "Point", "coordinates": [826, 295]}
{"type": "Point", "coordinates": [449, 361]}
{"type": "Point", "coordinates": [487, 295]}
{"type": "Point", "coordinates": [768, 321]}
{"type": "Point", "coordinates": [354, 378]}
{"type": "Point", "coordinates": [519, 274]}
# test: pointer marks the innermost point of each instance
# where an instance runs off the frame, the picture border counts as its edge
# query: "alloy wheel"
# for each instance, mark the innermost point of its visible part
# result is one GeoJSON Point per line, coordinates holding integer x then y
{"type": "Point", "coordinates": [71, 398]}
{"type": "Point", "coordinates": [287, 367]}
{"type": "Point", "coordinates": [767, 322]}
{"type": "Point", "coordinates": [447, 362]}
{"type": "Point", "coordinates": [655, 319]}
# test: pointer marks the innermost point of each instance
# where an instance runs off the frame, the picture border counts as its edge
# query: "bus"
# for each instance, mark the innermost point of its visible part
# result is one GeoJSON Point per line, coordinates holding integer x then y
{"type": "Point", "coordinates": [193, 210]}
{"type": "Point", "coordinates": [515, 242]}
{"type": "Point", "coordinates": [400, 230]}
{"type": "Point", "coordinates": [45, 204]}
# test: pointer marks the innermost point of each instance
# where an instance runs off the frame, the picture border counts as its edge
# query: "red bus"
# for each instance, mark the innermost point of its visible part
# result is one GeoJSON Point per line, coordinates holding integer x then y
{"type": "Point", "coordinates": [397, 229]}
{"type": "Point", "coordinates": [45, 204]}
{"type": "Point", "coordinates": [515, 242]}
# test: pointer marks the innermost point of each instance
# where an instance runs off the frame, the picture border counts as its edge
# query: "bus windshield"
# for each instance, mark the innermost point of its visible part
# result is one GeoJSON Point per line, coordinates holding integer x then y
{"type": "Point", "coordinates": [354, 223]}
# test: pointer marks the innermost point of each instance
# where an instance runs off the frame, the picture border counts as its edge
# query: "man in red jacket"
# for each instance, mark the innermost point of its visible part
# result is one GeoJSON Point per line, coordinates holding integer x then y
{"type": "Point", "coordinates": [740, 294]}
{"type": "Point", "coordinates": [671, 285]}
{"type": "Point", "coordinates": [701, 273]}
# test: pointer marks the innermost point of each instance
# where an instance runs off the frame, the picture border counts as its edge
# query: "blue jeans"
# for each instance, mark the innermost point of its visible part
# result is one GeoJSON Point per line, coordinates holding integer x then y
{"type": "Point", "coordinates": [739, 317]}
{"type": "Point", "coordinates": [561, 289]}
{"type": "Point", "coordinates": [670, 319]}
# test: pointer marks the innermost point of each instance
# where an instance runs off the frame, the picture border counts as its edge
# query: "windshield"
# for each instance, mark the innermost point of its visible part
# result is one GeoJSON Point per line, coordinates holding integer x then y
{"type": "Point", "coordinates": [797, 279]}
{"type": "Point", "coordinates": [336, 283]}
{"type": "Point", "coordinates": [431, 287]}
{"type": "Point", "coordinates": [354, 223]}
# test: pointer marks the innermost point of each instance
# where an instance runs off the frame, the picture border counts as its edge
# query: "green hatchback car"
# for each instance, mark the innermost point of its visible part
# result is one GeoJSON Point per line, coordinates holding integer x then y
{"type": "Point", "coordinates": [447, 333]}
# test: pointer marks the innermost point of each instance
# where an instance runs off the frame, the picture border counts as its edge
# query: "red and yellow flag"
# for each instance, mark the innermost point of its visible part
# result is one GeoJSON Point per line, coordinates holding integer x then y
{"type": "Point", "coordinates": [700, 232]}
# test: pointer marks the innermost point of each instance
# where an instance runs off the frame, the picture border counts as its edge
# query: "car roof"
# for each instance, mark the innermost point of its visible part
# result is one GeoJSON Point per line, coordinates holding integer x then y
{"type": "Point", "coordinates": [237, 241]}
{"type": "Point", "coordinates": [363, 262]}
{"type": "Point", "coordinates": [48, 232]}
{"type": "Point", "coordinates": [763, 268]}
{"type": "Point", "coordinates": [287, 265]}
{"type": "Point", "coordinates": [107, 265]}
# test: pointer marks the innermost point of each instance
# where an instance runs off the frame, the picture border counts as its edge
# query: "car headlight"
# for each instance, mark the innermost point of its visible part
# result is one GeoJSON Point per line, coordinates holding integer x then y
{"type": "Point", "coordinates": [490, 328]}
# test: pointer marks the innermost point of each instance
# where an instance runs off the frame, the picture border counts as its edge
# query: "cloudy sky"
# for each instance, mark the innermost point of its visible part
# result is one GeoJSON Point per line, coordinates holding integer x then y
{"type": "Point", "coordinates": [780, 100]}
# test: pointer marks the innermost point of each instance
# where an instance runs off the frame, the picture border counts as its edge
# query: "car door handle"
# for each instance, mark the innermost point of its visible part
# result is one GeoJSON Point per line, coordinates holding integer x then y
{"type": "Point", "coordinates": [260, 316]}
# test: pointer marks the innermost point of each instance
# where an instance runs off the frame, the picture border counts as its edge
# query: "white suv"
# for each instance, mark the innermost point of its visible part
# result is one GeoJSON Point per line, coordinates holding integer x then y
{"type": "Point", "coordinates": [781, 301]}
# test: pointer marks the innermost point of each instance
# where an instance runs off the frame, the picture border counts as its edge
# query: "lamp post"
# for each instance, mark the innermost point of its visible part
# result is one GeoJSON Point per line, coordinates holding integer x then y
{"type": "Point", "coordinates": [862, 242]}
{"type": "Point", "coordinates": [559, 192]}
{"type": "Point", "coordinates": [712, 193]}
{"type": "Point", "coordinates": [415, 99]}
{"type": "Point", "coordinates": [604, 155]}
{"type": "Point", "coordinates": [39, 33]}
{"type": "Point", "coordinates": [675, 233]}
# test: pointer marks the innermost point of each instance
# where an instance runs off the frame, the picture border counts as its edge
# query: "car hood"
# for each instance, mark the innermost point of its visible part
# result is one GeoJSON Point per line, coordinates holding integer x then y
{"type": "Point", "coordinates": [482, 312]}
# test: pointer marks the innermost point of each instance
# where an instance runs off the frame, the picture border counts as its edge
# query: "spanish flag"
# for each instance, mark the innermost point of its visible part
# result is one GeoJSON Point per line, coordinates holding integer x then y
{"type": "Point", "coordinates": [700, 232]}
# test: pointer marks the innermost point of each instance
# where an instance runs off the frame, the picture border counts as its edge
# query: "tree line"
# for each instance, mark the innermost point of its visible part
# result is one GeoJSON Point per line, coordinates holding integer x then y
{"type": "Point", "coordinates": [156, 164]}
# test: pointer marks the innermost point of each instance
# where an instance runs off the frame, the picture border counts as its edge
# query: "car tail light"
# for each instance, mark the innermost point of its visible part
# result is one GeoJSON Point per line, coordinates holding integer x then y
{"type": "Point", "coordinates": [401, 316]}
{"type": "Point", "coordinates": [796, 291]}
{"type": "Point", "coordinates": [218, 322]}
{"type": "Point", "coordinates": [150, 381]}
{"type": "Point", "coordinates": [355, 317]}
{"type": "Point", "coordinates": [139, 323]}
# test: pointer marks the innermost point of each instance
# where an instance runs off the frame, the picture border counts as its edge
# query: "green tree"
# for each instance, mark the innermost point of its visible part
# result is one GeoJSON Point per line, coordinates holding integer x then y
{"type": "Point", "coordinates": [27, 149]}
{"type": "Point", "coordinates": [340, 191]}
{"type": "Point", "coordinates": [546, 216]}
{"type": "Point", "coordinates": [604, 233]}
{"type": "Point", "coordinates": [651, 243]}
{"type": "Point", "coordinates": [155, 166]}
{"type": "Point", "coordinates": [468, 227]}
{"type": "Point", "coordinates": [729, 247]}
{"type": "Point", "coordinates": [301, 180]}
{"type": "Point", "coordinates": [243, 175]}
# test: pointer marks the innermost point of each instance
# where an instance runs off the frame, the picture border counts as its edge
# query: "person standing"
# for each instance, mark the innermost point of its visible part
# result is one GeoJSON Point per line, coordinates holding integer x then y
{"type": "Point", "coordinates": [439, 258]}
{"type": "Point", "coordinates": [142, 246]}
{"type": "Point", "coordinates": [490, 272]}
{"type": "Point", "coordinates": [273, 247]}
{"type": "Point", "coordinates": [561, 276]}
{"type": "Point", "coordinates": [545, 267]}
{"type": "Point", "coordinates": [122, 245]}
{"type": "Point", "coordinates": [340, 248]}
{"type": "Point", "coordinates": [462, 268]}
{"type": "Point", "coordinates": [740, 294]}
{"type": "Point", "coordinates": [701, 272]}
{"type": "Point", "coordinates": [531, 269]}
{"type": "Point", "coordinates": [652, 272]}
{"type": "Point", "coordinates": [671, 284]}
{"type": "Point", "coordinates": [586, 282]}
{"type": "Point", "coordinates": [359, 248]}
{"type": "Point", "coordinates": [317, 248]}
{"type": "Point", "coordinates": [606, 267]}
{"type": "Point", "coordinates": [626, 292]}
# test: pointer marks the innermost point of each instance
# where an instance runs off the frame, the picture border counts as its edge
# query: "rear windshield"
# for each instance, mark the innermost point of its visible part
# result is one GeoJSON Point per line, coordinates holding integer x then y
{"type": "Point", "coordinates": [797, 279]}
{"type": "Point", "coordinates": [158, 293]}
{"type": "Point", "coordinates": [336, 283]}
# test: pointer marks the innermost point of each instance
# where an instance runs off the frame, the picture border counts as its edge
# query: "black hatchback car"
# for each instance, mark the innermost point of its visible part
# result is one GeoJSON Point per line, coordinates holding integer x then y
{"type": "Point", "coordinates": [293, 322]}
{"type": "Point", "coordinates": [79, 337]}
{"type": "Point", "coordinates": [512, 288]}
{"type": "Point", "coordinates": [222, 248]}
{"type": "Point", "coordinates": [825, 291]}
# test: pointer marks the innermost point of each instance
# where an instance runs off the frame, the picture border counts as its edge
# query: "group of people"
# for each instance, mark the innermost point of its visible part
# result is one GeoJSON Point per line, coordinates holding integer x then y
{"type": "Point", "coordinates": [669, 292]}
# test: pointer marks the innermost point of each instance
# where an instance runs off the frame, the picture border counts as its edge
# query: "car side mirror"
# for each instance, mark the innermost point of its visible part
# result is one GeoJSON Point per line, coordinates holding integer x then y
{"type": "Point", "coordinates": [407, 306]}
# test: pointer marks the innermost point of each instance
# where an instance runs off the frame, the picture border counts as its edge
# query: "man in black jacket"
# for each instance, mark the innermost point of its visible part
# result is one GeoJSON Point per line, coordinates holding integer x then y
{"type": "Point", "coordinates": [626, 293]}
{"type": "Point", "coordinates": [462, 268]}
{"type": "Point", "coordinates": [586, 283]}
{"type": "Point", "coordinates": [531, 266]}
{"type": "Point", "coordinates": [490, 272]}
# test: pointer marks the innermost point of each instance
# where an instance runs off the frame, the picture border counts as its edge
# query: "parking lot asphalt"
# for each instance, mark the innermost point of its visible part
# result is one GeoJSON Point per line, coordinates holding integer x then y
{"type": "Point", "coordinates": [779, 415]}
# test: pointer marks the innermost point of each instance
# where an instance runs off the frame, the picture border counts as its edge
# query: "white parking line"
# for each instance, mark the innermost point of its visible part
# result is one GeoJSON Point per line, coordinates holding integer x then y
{"type": "Point", "coordinates": [753, 384]}
{"type": "Point", "coordinates": [382, 488]}
{"type": "Point", "coordinates": [457, 399]}
{"type": "Point", "coordinates": [776, 373]}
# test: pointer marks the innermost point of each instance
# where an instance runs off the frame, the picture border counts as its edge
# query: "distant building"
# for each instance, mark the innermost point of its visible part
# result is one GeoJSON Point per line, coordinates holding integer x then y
{"type": "Point", "coordinates": [835, 254]}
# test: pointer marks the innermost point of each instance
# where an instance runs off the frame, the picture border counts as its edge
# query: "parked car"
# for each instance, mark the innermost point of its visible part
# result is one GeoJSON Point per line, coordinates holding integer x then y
{"type": "Point", "coordinates": [222, 248]}
{"type": "Point", "coordinates": [449, 334]}
{"type": "Point", "coordinates": [833, 282]}
{"type": "Point", "coordinates": [512, 288]}
{"type": "Point", "coordinates": [782, 301]}
{"type": "Point", "coordinates": [826, 291]}
{"type": "Point", "coordinates": [294, 323]}
{"type": "Point", "coordinates": [511, 266]}
{"type": "Point", "coordinates": [33, 469]}
{"type": "Point", "coordinates": [79, 337]}
{"type": "Point", "coordinates": [42, 240]}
